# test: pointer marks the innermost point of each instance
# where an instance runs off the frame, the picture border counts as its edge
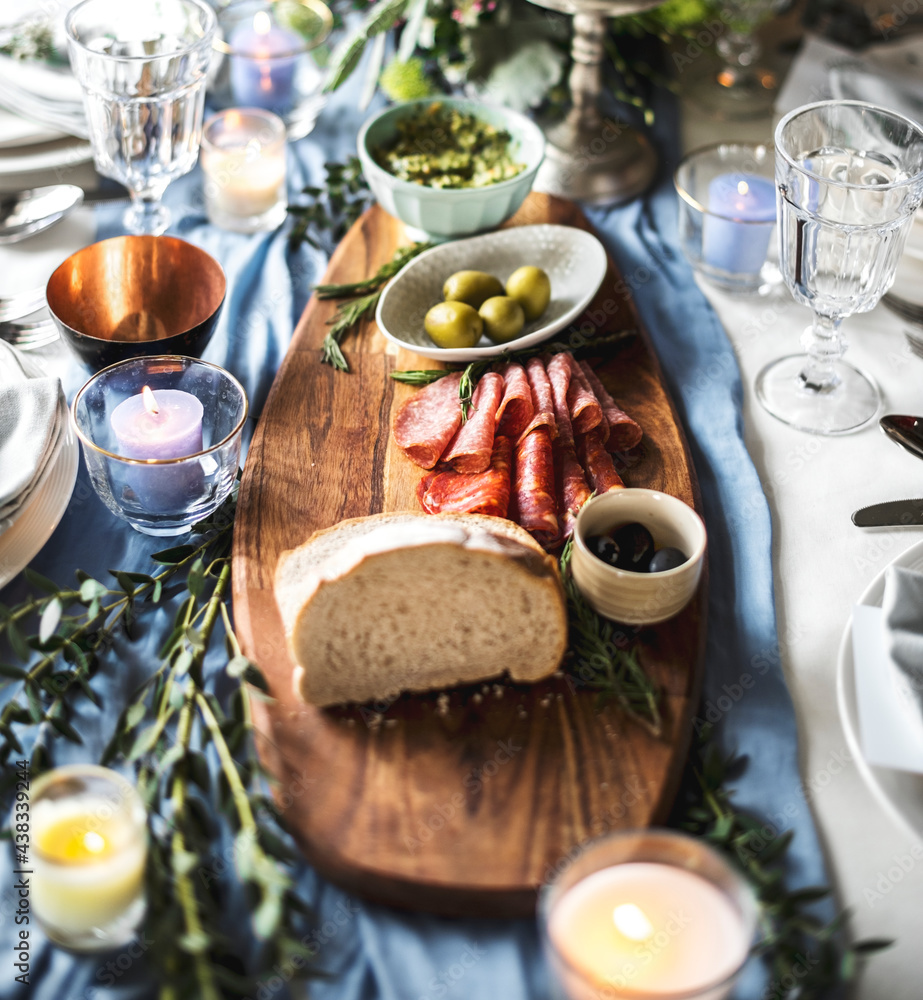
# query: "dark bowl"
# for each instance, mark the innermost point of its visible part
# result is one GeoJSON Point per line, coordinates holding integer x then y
{"type": "Point", "coordinates": [136, 295]}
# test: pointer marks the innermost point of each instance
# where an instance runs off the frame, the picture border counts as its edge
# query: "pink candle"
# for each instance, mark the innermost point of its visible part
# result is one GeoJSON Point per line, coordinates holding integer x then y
{"type": "Point", "coordinates": [162, 425]}
{"type": "Point", "coordinates": [167, 424]}
{"type": "Point", "coordinates": [647, 929]}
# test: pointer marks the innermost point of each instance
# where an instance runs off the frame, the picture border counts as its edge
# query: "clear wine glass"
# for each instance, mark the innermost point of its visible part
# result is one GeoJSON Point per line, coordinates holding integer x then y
{"type": "Point", "coordinates": [849, 177]}
{"type": "Point", "coordinates": [142, 65]}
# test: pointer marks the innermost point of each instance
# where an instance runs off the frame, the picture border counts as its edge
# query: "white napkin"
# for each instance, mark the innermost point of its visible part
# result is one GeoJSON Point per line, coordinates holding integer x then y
{"type": "Point", "coordinates": [33, 421]}
{"type": "Point", "coordinates": [902, 605]}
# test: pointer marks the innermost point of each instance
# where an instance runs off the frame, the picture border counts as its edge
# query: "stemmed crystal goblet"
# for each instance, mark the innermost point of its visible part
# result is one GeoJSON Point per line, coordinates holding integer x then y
{"type": "Point", "coordinates": [142, 66]}
{"type": "Point", "coordinates": [849, 178]}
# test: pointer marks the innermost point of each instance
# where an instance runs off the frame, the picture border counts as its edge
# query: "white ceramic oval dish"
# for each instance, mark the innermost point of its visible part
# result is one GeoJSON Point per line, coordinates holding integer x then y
{"type": "Point", "coordinates": [574, 260]}
{"type": "Point", "coordinates": [626, 596]}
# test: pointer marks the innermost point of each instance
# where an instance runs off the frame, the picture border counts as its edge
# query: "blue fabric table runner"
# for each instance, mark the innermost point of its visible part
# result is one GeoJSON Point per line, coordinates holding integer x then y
{"type": "Point", "coordinates": [372, 952]}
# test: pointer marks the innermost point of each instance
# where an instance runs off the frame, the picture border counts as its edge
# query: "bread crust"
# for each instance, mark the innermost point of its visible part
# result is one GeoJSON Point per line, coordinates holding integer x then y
{"type": "Point", "coordinates": [390, 602]}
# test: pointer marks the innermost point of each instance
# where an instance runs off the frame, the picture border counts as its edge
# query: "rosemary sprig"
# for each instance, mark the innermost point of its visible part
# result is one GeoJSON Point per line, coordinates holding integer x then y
{"type": "Point", "coordinates": [596, 660]}
{"type": "Point", "coordinates": [171, 723]}
{"type": "Point", "coordinates": [473, 371]}
{"type": "Point", "coordinates": [350, 314]}
{"type": "Point", "coordinates": [805, 956]}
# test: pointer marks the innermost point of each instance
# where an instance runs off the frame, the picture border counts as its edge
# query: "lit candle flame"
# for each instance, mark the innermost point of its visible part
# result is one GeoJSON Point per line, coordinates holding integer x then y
{"type": "Point", "coordinates": [262, 25]}
{"type": "Point", "coordinates": [150, 401]}
{"type": "Point", "coordinates": [93, 842]}
{"type": "Point", "coordinates": [743, 187]}
{"type": "Point", "coordinates": [631, 922]}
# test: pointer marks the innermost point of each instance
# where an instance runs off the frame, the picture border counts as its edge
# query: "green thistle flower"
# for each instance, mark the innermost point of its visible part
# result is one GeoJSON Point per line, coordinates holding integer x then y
{"type": "Point", "coordinates": [406, 81]}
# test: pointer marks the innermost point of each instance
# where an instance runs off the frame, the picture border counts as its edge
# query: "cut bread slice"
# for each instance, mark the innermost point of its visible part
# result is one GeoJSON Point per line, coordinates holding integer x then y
{"type": "Point", "coordinates": [412, 602]}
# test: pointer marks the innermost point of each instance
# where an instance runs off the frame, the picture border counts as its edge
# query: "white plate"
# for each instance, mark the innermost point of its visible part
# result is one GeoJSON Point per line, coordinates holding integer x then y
{"type": "Point", "coordinates": [574, 260]}
{"type": "Point", "coordinates": [899, 792]}
{"type": "Point", "coordinates": [57, 154]}
{"type": "Point", "coordinates": [33, 525]}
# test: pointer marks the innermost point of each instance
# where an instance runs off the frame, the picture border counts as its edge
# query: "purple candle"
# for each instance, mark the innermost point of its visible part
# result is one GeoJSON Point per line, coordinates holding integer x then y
{"type": "Point", "coordinates": [162, 425]}
{"type": "Point", "coordinates": [263, 64]}
{"type": "Point", "coordinates": [732, 238]}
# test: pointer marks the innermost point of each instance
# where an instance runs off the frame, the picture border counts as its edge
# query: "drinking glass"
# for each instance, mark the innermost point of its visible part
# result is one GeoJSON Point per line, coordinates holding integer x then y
{"type": "Point", "coordinates": [849, 178]}
{"type": "Point", "coordinates": [142, 65]}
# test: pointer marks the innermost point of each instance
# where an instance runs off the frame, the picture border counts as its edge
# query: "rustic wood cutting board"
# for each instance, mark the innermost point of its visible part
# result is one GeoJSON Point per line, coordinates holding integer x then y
{"type": "Point", "coordinates": [462, 804]}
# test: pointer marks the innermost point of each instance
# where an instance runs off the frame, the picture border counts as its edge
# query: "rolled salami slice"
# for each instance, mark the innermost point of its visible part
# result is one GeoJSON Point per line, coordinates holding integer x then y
{"type": "Point", "coordinates": [542, 399]}
{"type": "Point", "coordinates": [488, 492]}
{"type": "Point", "coordinates": [559, 373]}
{"type": "Point", "coordinates": [571, 489]}
{"type": "Point", "coordinates": [532, 501]}
{"type": "Point", "coordinates": [597, 462]}
{"type": "Point", "coordinates": [516, 407]}
{"type": "Point", "coordinates": [470, 449]}
{"type": "Point", "coordinates": [586, 412]}
{"type": "Point", "coordinates": [624, 433]}
{"type": "Point", "coordinates": [426, 423]}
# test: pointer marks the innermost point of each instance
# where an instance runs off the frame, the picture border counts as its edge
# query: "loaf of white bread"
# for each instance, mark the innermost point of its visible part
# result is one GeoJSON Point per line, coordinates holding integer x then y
{"type": "Point", "coordinates": [411, 602]}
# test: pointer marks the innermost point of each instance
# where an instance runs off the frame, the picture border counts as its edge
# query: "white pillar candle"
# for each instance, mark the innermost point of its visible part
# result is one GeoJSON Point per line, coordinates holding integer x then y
{"type": "Point", "coordinates": [89, 848]}
{"type": "Point", "coordinates": [243, 158]}
{"type": "Point", "coordinates": [648, 914]}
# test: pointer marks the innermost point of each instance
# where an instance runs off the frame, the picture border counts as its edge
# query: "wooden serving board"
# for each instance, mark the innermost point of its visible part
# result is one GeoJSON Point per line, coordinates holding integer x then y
{"type": "Point", "coordinates": [461, 804]}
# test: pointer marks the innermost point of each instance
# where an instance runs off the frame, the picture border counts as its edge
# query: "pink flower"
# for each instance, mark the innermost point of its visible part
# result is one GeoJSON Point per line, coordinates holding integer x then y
{"type": "Point", "coordinates": [457, 15]}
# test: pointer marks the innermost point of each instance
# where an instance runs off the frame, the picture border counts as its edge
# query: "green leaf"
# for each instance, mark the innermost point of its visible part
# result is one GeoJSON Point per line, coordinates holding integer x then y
{"type": "Point", "coordinates": [870, 946]}
{"type": "Point", "coordinates": [13, 672]}
{"type": "Point", "coordinates": [157, 591]}
{"type": "Point", "coordinates": [135, 714]}
{"type": "Point", "coordinates": [237, 666]}
{"type": "Point", "coordinates": [51, 618]}
{"type": "Point", "coordinates": [145, 741]}
{"type": "Point", "coordinates": [345, 59]}
{"type": "Point", "coordinates": [36, 712]}
{"type": "Point", "coordinates": [17, 642]}
{"type": "Point", "coordinates": [11, 738]}
{"type": "Point", "coordinates": [125, 582]}
{"type": "Point", "coordinates": [194, 944]}
{"type": "Point", "coordinates": [92, 590]}
{"type": "Point", "coordinates": [267, 916]}
{"type": "Point", "coordinates": [42, 582]}
{"type": "Point", "coordinates": [174, 555]}
{"type": "Point", "coordinates": [195, 582]}
{"type": "Point", "coordinates": [66, 730]}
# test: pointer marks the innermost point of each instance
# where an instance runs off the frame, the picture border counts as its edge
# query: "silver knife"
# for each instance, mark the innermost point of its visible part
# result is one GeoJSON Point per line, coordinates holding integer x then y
{"type": "Point", "coordinates": [896, 513]}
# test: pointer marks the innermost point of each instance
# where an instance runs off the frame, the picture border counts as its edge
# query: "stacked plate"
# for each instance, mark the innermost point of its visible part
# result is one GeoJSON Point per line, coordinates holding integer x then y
{"type": "Point", "coordinates": [42, 121]}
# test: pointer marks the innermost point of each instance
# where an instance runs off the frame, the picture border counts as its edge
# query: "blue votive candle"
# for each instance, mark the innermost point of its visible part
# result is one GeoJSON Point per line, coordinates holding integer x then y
{"type": "Point", "coordinates": [263, 64]}
{"type": "Point", "coordinates": [732, 239]}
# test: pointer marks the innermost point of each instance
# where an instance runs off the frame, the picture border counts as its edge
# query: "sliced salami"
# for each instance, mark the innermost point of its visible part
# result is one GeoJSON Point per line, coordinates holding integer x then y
{"type": "Point", "coordinates": [571, 489]}
{"type": "Point", "coordinates": [585, 409]}
{"type": "Point", "coordinates": [542, 399]}
{"type": "Point", "coordinates": [488, 492]}
{"type": "Point", "coordinates": [470, 449]}
{"type": "Point", "coordinates": [559, 372]}
{"type": "Point", "coordinates": [597, 462]}
{"type": "Point", "coordinates": [532, 501]}
{"type": "Point", "coordinates": [624, 433]}
{"type": "Point", "coordinates": [426, 423]}
{"type": "Point", "coordinates": [516, 407]}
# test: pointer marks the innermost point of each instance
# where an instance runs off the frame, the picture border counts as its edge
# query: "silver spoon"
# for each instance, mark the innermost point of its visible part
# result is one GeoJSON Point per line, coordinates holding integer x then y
{"type": "Point", "coordinates": [906, 431]}
{"type": "Point", "coordinates": [25, 213]}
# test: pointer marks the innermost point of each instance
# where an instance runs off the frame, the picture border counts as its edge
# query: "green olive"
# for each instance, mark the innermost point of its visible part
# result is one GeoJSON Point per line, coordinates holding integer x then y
{"type": "Point", "coordinates": [503, 318]}
{"type": "Point", "coordinates": [473, 287]}
{"type": "Point", "coordinates": [453, 324]}
{"type": "Point", "coordinates": [531, 288]}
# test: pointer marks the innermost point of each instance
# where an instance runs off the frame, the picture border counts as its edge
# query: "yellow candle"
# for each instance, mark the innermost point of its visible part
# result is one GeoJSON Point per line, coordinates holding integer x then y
{"type": "Point", "coordinates": [89, 849]}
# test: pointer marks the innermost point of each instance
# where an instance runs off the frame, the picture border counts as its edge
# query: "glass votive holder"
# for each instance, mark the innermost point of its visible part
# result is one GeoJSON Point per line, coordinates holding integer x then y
{"type": "Point", "coordinates": [272, 59]}
{"type": "Point", "coordinates": [648, 914]}
{"type": "Point", "coordinates": [727, 215]}
{"type": "Point", "coordinates": [243, 159]}
{"type": "Point", "coordinates": [88, 853]}
{"type": "Point", "coordinates": [161, 438]}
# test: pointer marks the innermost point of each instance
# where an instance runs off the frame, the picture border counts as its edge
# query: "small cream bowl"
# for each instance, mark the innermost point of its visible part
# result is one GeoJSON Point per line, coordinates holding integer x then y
{"type": "Point", "coordinates": [624, 595]}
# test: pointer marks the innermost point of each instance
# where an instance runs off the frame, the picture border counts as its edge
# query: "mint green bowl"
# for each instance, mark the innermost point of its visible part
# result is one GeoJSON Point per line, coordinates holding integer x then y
{"type": "Point", "coordinates": [443, 214]}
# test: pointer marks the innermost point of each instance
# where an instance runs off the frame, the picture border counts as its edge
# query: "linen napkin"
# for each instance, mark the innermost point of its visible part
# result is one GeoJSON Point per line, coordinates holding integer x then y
{"type": "Point", "coordinates": [33, 421]}
{"type": "Point", "coordinates": [902, 605]}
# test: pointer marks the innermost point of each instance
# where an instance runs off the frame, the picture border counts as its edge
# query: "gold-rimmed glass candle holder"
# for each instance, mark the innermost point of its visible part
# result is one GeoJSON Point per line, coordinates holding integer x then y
{"type": "Point", "coordinates": [88, 854]}
{"type": "Point", "coordinates": [647, 915]}
{"type": "Point", "coordinates": [165, 472]}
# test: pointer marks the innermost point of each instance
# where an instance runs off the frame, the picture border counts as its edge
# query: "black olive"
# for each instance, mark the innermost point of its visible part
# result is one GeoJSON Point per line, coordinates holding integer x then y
{"type": "Point", "coordinates": [603, 547]}
{"type": "Point", "coordinates": [635, 546]}
{"type": "Point", "coordinates": [667, 558]}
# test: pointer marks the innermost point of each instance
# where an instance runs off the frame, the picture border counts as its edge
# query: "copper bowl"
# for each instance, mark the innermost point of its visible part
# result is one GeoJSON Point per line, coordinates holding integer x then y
{"type": "Point", "coordinates": [135, 295]}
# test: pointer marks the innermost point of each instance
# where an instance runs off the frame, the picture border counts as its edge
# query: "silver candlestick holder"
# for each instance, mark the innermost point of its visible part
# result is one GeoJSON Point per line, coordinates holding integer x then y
{"type": "Point", "coordinates": [588, 156]}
